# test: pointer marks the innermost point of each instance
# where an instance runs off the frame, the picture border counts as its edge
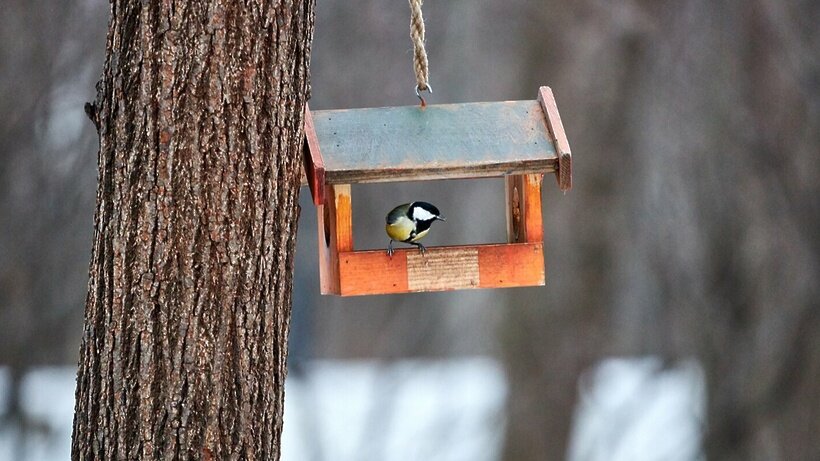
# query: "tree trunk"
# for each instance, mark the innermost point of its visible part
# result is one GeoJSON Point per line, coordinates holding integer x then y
{"type": "Point", "coordinates": [184, 348]}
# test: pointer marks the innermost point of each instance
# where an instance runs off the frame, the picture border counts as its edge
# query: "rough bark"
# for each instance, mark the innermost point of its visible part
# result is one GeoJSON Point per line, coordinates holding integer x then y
{"type": "Point", "coordinates": [184, 348]}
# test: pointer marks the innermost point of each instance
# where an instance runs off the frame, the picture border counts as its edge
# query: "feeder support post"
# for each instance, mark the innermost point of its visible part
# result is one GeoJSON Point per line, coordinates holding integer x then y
{"type": "Point", "coordinates": [335, 234]}
{"type": "Point", "coordinates": [524, 223]}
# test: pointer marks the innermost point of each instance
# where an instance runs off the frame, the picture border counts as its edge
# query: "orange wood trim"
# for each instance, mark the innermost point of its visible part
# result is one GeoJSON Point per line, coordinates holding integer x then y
{"type": "Point", "coordinates": [533, 225]}
{"type": "Point", "coordinates": [524, 222]}
{"type": "Point", "coordinates": [372, 272]}
{"type": "Point", "coordinates": [559, 136]}
{"type": "Point", "coordinates": [312, 160]}
{"type": "Point", "coordinates": [344, 217]}
{"type": "Point", "coordinates": [441, 268]}
{"type": "Point", "coordinates": [512, 265]}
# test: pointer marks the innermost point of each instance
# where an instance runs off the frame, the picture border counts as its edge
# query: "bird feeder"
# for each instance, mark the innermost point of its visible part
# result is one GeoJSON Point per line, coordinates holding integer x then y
{"type": "Point", "coordinates": [517, 140]}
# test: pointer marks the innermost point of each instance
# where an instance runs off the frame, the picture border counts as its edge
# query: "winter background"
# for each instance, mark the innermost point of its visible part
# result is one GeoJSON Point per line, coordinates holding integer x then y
{"type": "Point", "coordinates": [680, 320]}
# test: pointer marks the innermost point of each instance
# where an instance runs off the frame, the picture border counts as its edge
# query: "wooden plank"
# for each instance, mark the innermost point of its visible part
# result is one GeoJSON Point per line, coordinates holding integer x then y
{"type": "Point", "coordinates": [372, 272]}
{"type": "Point", "coordinates": [524, 222]}
{"type": "Point", "coordinates": [454, 269]}
{"type": "Point", "coordinates": [313, 164]}
{"type": "Point", "coordinates": [328, 256]}
{"type": "Point", "coordinates": [344, 217]}
{"type": "Point", "coordinates": [514, 190]}
{"type": "Point", "coordinates": [438, 142]}
{"type": "Point", "coordinates": [441, 268]}
{"type": "Point", "coordinates": [556, 130]}
{"type": "Point", "coordinates": [533, 224]}
{"type": "Point", "coordinates": [512, 265]}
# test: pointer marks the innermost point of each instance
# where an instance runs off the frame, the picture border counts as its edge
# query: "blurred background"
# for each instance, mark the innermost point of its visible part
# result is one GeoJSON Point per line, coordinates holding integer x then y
{"type": "Point", "coordinates": [681, 315]}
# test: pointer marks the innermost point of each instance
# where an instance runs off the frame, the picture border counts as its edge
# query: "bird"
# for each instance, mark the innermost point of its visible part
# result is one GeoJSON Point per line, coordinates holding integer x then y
{"type": "Point", "coordinates": [410, 222]}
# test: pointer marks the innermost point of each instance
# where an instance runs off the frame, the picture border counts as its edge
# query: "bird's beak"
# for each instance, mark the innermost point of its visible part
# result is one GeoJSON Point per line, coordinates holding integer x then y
{"type": "Point", "coordinates": [441, 218]}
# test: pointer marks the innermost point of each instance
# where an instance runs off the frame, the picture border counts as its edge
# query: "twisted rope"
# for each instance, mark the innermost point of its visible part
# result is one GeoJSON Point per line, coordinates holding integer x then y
{"type": "Point", "coordinates": [419, 53]}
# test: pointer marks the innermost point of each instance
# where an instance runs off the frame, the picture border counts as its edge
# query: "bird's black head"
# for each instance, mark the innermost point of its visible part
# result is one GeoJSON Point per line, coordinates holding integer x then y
{"type": "Point", "coordinates": [424, 212]}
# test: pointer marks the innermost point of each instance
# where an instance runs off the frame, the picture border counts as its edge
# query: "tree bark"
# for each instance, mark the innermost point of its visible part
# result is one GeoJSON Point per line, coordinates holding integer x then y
{"type": "Point", "coordinates": [199, 111]}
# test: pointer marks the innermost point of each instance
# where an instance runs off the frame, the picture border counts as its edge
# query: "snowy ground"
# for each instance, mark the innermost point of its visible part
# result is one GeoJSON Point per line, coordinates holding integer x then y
{"type": "Point", "coordinates": [436, 410]}
{"type": "Point", "coordinates": [635, 409]}
{"type": "Point", "coordinates": [407, 410]}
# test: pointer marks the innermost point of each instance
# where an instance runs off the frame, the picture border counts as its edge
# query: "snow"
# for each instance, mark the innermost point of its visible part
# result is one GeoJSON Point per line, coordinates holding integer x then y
{"type": "Point", "coordinates": [450, 409]}
{"type": "Point", "coordinates": [47, 394]}
{"type": "Point", "coordinates": [635, 409]}
{"type": "Point", "coordinates": [407, 410]}
{"type": "Point", "coordinates": [438, 410]}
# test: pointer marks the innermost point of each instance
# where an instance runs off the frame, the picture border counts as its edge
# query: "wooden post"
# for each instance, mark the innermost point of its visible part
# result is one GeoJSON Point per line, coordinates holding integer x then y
{"type": "Point", "coordinates": [524, 223]}
{"type": "Point", "coordinates": [335, 234]}
{"type": "Point", "coordinates": [344, 217]}
{"type": "Point", "coordinates": [328, 277]}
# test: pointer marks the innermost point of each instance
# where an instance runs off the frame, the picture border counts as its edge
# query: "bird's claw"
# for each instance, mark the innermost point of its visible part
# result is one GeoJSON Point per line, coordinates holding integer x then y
{"type": "Point", "coordinates": [390, 250]}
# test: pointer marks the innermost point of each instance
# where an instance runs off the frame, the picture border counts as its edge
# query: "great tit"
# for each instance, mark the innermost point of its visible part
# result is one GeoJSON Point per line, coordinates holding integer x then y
{"type": "Point", "coordinates": [410, 222]}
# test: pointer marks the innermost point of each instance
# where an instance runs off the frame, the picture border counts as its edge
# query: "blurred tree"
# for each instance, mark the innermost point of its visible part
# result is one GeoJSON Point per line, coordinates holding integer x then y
{"type": "Point", "coordinates": [46, 192]}
{"type": "Point", "coordinates": [199, 112]}
{"type": "Point", "coordinates": [694, 217]}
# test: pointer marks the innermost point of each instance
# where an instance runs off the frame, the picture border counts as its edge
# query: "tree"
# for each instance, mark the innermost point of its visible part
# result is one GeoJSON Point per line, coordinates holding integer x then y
{"type": "Point", "coordinates": [199, 112]}
{"type": "Point", "coordinates": [708, 248]}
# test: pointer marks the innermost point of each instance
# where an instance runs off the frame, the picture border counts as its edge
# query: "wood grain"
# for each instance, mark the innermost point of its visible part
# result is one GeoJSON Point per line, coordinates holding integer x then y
{"type": "Point", "coordinates": [372, 272]}
{"type": "Point", "coordinates": [514, 190]}
{"type": "Point", "coordinates": [512, 265]}
{"type": "Point", "coordinates": [328, 254]}
{"type": "Point", "coordinates": [441, 268]}
{"type": "Point", "coordinates": [344, 217]}
{"type": "Point", "coordinates": [440, 142]}
{"type": "Point", "coordinates": [558, 136]}
{"type": "Point", "coordinates": [533, 224]}
{"type": "Point", "coordinates": [524, 223]}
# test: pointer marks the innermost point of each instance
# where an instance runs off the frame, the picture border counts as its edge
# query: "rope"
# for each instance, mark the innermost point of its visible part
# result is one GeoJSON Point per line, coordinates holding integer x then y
{"type": "Point", "coordinates": [419, 53]}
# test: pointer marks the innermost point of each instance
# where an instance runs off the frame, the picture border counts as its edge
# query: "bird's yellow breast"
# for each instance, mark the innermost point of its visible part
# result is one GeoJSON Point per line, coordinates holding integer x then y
{"type": "Point", "coordinates": [400, 230]}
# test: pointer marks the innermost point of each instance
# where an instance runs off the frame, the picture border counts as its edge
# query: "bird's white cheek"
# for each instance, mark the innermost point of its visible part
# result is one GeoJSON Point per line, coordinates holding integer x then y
{"type": "Point", "coordinates": [420, 214]}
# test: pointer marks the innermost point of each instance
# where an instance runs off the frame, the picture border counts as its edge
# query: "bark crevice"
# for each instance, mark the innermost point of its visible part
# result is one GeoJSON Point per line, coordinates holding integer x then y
{"type": "Point", "coordinates": [185, 341]}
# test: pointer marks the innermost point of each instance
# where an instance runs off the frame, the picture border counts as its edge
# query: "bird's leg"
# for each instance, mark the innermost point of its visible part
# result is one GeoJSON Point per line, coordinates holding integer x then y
{"type": "Point", "coordinates": [390, 248]}
{"type": "Point", "coordinates": [421, 247]}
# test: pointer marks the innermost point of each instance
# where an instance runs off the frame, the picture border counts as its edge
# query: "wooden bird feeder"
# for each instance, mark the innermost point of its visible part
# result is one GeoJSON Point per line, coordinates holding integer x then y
{"type": "Point", "coordinates": [519, 140]}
